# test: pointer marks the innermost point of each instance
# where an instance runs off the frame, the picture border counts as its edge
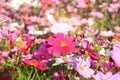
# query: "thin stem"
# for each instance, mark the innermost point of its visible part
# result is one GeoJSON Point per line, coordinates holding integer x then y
{"type": "Point", "coordinates": [30, 74]}
{"type": "Point", "coordinates": [37, 74]}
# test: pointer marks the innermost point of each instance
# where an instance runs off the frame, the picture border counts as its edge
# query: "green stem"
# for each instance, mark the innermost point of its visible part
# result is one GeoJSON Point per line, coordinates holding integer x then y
{"type": "Point", "coordinates": [30, 74]}
{"type": "Point", "coordinates": [33, 77]}
{"type": "Point", "coordinates": [37, 74]}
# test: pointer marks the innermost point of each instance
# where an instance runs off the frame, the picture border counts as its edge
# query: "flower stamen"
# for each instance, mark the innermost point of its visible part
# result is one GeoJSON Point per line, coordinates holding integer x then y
{"type": "Point", "coordinates": [81, 68]}
{"type": "Point", "coordinates": [63, 44]}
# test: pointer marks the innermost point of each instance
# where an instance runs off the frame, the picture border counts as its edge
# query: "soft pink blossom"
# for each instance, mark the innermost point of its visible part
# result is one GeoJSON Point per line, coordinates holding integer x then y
{"type": "Point", "coordinates": [107, 33]}
{"type": "Point", "coordinates": [107, 76]}
{"type": "Point", "coordinates": [60, 27]}
{"type": "Point", "coordinates": [115, 54]}
{"type": "Point", "coordinates": [83, 67]}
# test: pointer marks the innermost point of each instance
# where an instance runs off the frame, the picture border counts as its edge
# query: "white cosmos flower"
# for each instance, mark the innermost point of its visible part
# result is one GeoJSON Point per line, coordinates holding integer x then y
{"type": "Point", "coordinates": [36, 3]}
{"type": "Point", "coordinates": [60, 27]}
{"type": "Point", "coordinates": [13, 26]}
{"type": "Point", "coordinates": [102, 52]}
{"type": "Point", "coordinates": [91, 21]}
{"type": "Point", "coordinates": [17, 3]}
{"type": "Point", "coordinates": [63, 59]}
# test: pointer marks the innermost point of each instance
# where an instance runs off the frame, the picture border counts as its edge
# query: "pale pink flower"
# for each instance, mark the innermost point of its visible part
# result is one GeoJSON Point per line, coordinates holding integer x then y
{"type": "Point", "coordinates": [60, 27]}
{"type": "Point", "coordinates": [107, 33]}
{"type": "Point", "coordinates": [83, 67]}
{"type": "Point", "coordinates": [117, 28]}
{"type": "Point", "coordinates": [96, 14]}
{"type": "Point", "coordinates": [115, 54]}
{"type": "Point", "coordinates": [107, 76]}
{"type": "Point", "coordinates": [114, 7]}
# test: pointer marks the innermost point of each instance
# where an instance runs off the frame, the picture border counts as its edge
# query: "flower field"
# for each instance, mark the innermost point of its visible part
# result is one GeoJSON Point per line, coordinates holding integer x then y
{"type": "Point", "coordinates": [59, 39]}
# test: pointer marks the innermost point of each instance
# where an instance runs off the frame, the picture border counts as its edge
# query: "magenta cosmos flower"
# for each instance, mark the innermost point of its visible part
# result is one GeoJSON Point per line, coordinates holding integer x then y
{"type": "Point", "coordinates": [42, 54]}
{"type": "Point", "coordinates": [87, 49]}
{"type": "Point", "coordinates": [62, 45]}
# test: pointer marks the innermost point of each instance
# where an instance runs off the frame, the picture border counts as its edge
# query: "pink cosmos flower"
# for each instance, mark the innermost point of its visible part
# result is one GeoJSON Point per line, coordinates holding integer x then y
{"type": "Point", "coordinates": [117, 28]}
{"type": "Point", "coordinates": [8, 1]}
{"type": "Point", "coordinates": [62, 45]}
{"type": "Point", "coordinates": [83, 21]}
{"type": "Point", "coordinates": [106, 66]}
{"type": "Point", "coordinates": [115, 0]}
{"type": "Point", "coordinates": [82, 4]}
{"type": "Point", "coordinates": [107, 33]}
{"type": "Point", "coordinates": [1, 37]}
{"type": "Point", "coordinates": [42, 54]}
{"type": "Point", "coordinates": [115, 54]}
{"type": "Point", "coordinates": [97, 14]}
{"type": "Point", "coordinates": [12, 37]}
{"type": "Point", "coordinates": [83, 67]}
{"type": "Point", "coordinates": [4, 31]}
{"type": "Point", "coordinates": [26, 45]}
{"type": "Point", "coordinates": [114, 7]}
{"type": "Point", "coordinates": [91, 31]}
{"type": "Point", "coordinates": [107, 76]}
{"type": "Point", "coordinates": [1, 6]}
{"type": "Point", "coordinates": [70, 8]}
{"type": "Point", "coordinates": [57, 76]}
{"type": "Point", "coordinates": [41, 66]}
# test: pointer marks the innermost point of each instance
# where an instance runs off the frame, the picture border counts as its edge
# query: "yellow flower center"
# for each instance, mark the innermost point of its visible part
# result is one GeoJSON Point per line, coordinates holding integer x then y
{"type": "Point", "coordinates": [81, 68]}
{"type": "Point", "coordinates": [32, 65]}
{"type": "Point", "coordinates": [20, 41]}
{"type": "Point", "coordinates": [43, 57]}
{"type": "Point", "coordinates": [65, 59]}
{"type": "Point", "coordinates": [26, 46]}
{"type": "Point", "coordinates": [63, 44]}
{"type": "Point", "coordinates": [105, 68]}
{"type": "Point", "coordinates": [114, 40]}
{"type": "Point", "coordinates": [106, 78]}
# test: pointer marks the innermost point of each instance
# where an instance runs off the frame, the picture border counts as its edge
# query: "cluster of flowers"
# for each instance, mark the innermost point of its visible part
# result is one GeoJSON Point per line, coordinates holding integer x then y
{"type": "Point", "coordinates": [59, 40]}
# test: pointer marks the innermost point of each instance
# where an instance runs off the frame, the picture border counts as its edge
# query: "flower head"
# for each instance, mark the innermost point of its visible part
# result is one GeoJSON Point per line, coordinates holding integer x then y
{"type": "Point", "coordinates": [115, 54]}
{"type": "Point", "coordinates": [42, 54]}
{"type": "Point", "coordinates": [60, 44]}
{"type": "Point", "coordinates": [107, 76]}
{"type": "Point", "coordinates": [63, 59]}
{"type": "Point", "coordinates": [83, 68]}
{"type": "Point", "coordinates": [107, 33]}
{"type": "Point", "coordinates": [87, 49]}
{"type": "Point", "coordinates": [42, 66]}
{"type": "Point", "coordinates": [28, 43]}
{"type": "Point", "coordinates": [61, 28]}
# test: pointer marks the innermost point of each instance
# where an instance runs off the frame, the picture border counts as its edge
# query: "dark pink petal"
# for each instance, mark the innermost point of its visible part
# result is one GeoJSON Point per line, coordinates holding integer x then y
{"type": "Point", "coordinates": [26, 62]}
{"type": "Point", "coordinates": [55, 50]}
{"type": "Point", "coordinates": [42, 66]}
{"type": "Point", "coordinates": [51, 41]}
{"type": "Point", "coordinates": [34, 62]}
{"type": "Point", "coordinates": [66, 50]}
{"type": "Point", "coordinates": [93, 55]}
